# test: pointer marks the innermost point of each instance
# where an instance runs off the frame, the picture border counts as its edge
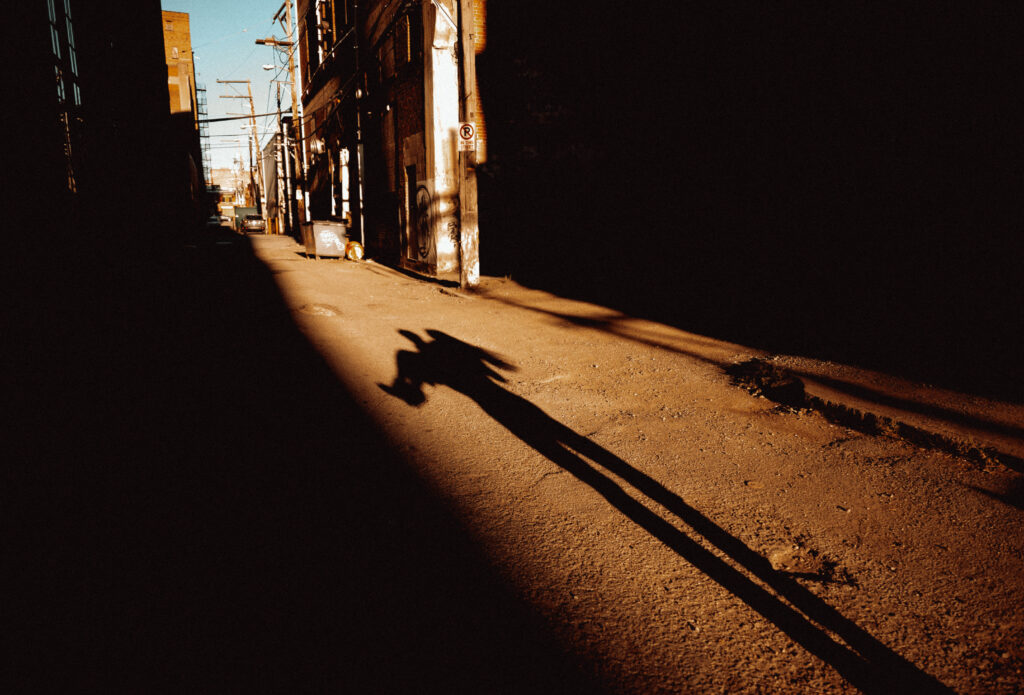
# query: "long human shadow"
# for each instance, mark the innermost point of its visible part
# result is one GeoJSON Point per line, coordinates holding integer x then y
{"type": "Point", "coordinates": [869, 665]}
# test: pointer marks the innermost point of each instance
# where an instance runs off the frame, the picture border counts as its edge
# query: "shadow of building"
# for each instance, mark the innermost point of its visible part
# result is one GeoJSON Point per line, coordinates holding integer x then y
{"type": "Point", "coordinates": [834, 182]}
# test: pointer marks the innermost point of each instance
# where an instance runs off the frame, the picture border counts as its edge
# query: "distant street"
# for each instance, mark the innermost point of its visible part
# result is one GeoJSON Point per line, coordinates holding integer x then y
{"type": "Point", "coordinates": [263, 472]}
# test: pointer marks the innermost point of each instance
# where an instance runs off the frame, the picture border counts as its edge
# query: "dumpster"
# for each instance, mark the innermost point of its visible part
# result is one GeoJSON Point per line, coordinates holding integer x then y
{"type": "Point", "coordinates": [324, 238]}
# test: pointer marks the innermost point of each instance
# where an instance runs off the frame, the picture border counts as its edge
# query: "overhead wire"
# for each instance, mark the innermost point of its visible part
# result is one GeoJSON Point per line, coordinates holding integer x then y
{"type": "Point", "coordinates": [233, 71]}
{"type": "Point", "coordinates": [280, 69]}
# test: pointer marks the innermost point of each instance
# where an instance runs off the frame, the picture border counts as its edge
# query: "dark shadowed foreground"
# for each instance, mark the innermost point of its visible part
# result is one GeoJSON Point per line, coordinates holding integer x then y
{"type": "Point", "coordinates": [202, 508]}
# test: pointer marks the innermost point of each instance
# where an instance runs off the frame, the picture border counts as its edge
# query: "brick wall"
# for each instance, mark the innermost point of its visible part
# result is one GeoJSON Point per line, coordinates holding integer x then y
{"type": "Point", "coordinates": [178, 54]}
{"type": "Point", "coordinates": [476, 105]}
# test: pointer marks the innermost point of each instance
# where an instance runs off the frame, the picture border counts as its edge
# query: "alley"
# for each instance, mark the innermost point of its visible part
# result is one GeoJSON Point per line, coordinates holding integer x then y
{"type": "Point", "coordinates": [673, 531]}
{"type": "Point", "coordinates": [679, 351]}
{"type": "Point", "coordinates": [261, 471]}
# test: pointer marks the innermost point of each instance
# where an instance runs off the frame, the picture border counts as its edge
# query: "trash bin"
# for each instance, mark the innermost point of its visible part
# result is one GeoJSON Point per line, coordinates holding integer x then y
{"type": "Point", "coordinates": [324, 238]}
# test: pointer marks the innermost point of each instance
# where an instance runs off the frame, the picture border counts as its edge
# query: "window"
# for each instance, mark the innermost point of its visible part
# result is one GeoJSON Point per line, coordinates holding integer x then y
{"type": "Point", "coordinates": [326, 24]}
{"type": "Point", "coordinates": [403, 42]}
{"type": "Point", "coordinates": [65, 74]}
{"type": "Point", "coordinates": [387, 59]}
{"type": "Point", "coordinates": [72, 57]}
{"type": "Point", "coordinates": [342, 10]}
{"type": "Point", "coordinates": [413, 43]}
{"type": "Point", "coordinates": [54, 29]}
{"type": "Point", "coordinates": [311, 44]}
{"type": "Point", "coordinates": [336, 11]}
{"type": "Point", "coordinates": [62, 43]}
{"type": "Point", "coordinates": [55, 40]}
{"type": "Point", "coordinates": [60, 83]}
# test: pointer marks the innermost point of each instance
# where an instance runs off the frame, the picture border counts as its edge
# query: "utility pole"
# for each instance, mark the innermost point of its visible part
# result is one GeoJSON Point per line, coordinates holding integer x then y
{"type": "Point", "coordinates": [359, 127]}
{"type": "Point", "coordinates": [297, 114]}
{"type": "Point", "coordinates": [469, 229]}
{"type": "Point", "coordinates": [286, 160]}
{"type": "Point", "coordinates": [291, 59]}
{"type": "Point", "coordinates": [284, 16]}
{"type": "Point", "coordinates": [252, 135]}
{"type": "Point", "coordinates": [251, 186]}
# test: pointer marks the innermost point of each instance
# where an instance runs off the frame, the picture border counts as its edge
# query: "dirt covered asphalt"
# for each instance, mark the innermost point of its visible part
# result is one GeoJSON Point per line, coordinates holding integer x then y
{"type": "Point", "coordinates": [236, 469]}
{"type": "Point", "coordinates": [683, 514]}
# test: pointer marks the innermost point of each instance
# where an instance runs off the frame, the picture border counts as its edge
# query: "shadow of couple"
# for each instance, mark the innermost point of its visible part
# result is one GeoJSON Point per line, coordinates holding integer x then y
{"type": "Point", "coordinates": [442, 360]}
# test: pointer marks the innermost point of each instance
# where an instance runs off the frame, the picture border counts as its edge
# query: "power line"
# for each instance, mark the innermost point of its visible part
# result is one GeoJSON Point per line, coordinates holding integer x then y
{"type": "Point", "coordinates": [241, 118]}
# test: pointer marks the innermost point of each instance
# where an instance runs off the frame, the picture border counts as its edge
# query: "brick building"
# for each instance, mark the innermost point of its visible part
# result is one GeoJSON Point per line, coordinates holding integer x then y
{"type": "Point", "coordinates": [105, 155]}
{"type": "Point", "coordinates": [384, 94]}
{"type": "Point", "coordinates": [183, 104]}
{"type": "Point", "coordinates": [181, 83]}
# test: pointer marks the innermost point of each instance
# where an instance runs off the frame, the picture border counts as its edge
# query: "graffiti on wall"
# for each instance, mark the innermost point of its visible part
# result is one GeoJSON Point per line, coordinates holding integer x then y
{"type": "Point", "coordinates": [422, 222]}
{"type": "Point", "coordinates": [453, 222]}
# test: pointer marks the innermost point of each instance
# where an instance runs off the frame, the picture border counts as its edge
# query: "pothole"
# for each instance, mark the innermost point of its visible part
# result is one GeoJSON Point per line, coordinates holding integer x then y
{"type": "Point", "coordinates": [762, 379]}
{"type": "Point", "coordinates": [319, 310]}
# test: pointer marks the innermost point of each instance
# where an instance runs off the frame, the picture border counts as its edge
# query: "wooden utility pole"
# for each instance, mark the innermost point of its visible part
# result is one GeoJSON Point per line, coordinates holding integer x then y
{"type": "Point", "coordinates": [284, 16]}
{"type": "Point", "coordinates": [282, 149]}
{"type": "Point", "coordinates": [253, 135]}
{"type": "Point", "coordinates": [469, 229]}
{"type": "Point", "coordinates": [291, 63]}
{"type": "Point", "coordinates": [360, 172]}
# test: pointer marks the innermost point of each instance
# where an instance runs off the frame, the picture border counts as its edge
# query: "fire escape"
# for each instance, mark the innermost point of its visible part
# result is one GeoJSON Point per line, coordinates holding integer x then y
{"type": "Point", "coordinates": [204, 131]}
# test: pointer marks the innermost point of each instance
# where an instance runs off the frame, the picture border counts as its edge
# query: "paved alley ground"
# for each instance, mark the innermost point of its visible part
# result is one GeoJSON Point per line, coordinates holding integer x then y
{"type": "Point", "coordinates": [271, 473]}
{"type": "Point", "coordinates": [675, 531]}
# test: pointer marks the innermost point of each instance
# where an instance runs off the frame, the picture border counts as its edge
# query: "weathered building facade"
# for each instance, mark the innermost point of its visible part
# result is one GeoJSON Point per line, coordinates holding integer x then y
{"type": "Point", "coordinates": [181, 83]}
{"type": "Point", "coordinates": [386, 87]}
{"type": "Point", "coordinates": [184, 107]}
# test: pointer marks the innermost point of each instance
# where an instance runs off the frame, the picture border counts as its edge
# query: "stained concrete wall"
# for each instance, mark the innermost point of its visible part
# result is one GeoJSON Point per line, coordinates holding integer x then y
{"type": "Point", "coordinates": [441, 108]}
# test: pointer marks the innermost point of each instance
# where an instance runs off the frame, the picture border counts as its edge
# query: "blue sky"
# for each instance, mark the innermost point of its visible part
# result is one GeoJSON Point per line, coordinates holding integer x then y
{"type": "Point", "coordinates": [224, 34]}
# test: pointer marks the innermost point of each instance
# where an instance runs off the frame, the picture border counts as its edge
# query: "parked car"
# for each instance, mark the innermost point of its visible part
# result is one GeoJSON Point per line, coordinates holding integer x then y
{"type": "Point", "coordinates": [213, 221]}
{"type": "Point", "coordinates": [254, 224]}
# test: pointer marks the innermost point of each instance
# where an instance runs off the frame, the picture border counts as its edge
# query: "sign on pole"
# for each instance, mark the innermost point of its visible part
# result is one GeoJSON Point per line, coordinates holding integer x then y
{"type": "Point", "coordinates": [467, 137]}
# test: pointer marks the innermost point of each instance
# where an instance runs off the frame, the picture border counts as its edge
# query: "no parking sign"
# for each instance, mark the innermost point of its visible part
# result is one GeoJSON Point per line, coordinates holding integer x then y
{"type": "Point", "coordinates": [467, 137]}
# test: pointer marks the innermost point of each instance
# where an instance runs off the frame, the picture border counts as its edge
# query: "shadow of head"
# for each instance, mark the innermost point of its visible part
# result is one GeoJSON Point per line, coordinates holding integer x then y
{"type": "Point", "coordinates": [443, 360]}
